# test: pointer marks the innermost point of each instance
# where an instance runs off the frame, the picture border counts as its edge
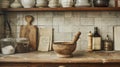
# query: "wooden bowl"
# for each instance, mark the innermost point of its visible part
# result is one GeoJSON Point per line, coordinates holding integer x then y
{"type": "Point", "coordinates": [64, 49]}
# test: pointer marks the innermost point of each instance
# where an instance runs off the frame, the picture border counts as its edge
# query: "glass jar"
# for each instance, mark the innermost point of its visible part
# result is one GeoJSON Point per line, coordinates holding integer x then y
{"type": "Point", "coordinates": [8, 45]}
{"type": "Point", "coordinates": [22, 45]}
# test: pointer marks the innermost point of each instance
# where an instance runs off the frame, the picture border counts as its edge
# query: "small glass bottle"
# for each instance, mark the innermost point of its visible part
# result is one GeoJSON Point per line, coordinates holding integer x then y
{"type": "Point", "coordinates": [96, 40]}
{"type": "Point", "coordinates": [108, 46]}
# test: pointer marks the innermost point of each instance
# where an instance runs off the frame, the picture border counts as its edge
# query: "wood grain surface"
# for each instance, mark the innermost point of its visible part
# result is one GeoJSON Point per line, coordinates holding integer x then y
{"type": "Point", "coordinates": [29, 31]}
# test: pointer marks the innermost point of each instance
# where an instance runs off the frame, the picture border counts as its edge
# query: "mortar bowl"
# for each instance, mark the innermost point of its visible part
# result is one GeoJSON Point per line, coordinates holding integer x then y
{"type": "Point", "coordinates": [64, 49]}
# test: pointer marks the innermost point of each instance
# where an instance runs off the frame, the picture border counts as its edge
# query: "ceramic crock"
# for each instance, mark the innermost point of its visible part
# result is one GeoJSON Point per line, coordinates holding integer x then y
{"type": "Point", "coordinates": [53, 3]}
{"type": "Point", "coordinates": [101, 3]}
{"type": "Point", "coordinates": [41, 3]}
{"type": "Point", "coordinates": [67, 3]}
{"type": "Point", "coordinates": [82, 3]}
{"type": "Point", "coordinates": [15, 4]}
{"type": "Point", "coordinates": [28, 3]}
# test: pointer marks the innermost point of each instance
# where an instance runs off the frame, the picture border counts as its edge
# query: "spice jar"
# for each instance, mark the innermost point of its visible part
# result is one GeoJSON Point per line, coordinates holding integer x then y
{"type": "Point", "coordinates": [8, 45]}
{"type": "Point", "coordinates": [108, 46]}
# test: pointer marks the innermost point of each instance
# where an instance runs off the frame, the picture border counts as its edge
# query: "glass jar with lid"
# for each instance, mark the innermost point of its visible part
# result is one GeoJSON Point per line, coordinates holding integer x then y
{"type": "Point", "coordinates": [8, 45]}
{"type": "Point", "coordinates": [22, 45]}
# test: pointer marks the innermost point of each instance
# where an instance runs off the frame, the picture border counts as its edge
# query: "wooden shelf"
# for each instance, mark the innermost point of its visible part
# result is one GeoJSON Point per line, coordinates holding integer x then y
{"type": "Point", "coordinates": [62, 9]}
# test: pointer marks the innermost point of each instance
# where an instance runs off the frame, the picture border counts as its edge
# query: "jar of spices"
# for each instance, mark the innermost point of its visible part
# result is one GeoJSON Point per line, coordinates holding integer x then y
{"type": "Point", "coordinates": [108, 45]}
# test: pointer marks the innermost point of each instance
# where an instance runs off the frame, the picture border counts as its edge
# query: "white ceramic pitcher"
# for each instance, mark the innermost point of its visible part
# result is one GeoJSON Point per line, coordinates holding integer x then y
{"type": "Point", "coordinates": [41, 3]}
{"type": "Point", "coordinates": [53, 3]}
{"type": "Point", "coordinates": [28, 3]}
{"type": "Point", "coordinates": [67, 3]}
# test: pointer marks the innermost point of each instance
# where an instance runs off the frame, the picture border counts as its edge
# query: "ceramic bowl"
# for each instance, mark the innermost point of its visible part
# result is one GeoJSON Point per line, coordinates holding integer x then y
{"type": "Point", "coordinates": [64, 49]}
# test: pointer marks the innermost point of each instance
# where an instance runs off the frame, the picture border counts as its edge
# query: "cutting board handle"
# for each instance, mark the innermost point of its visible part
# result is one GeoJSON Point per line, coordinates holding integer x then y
{"type": "Point", "coordinates": [29, 19]}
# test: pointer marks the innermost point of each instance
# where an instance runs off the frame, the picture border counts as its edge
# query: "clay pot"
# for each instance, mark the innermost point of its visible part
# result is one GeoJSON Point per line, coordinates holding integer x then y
{"type": "Point", "coordinates": [28, 3]}
{"type": "Point", "coordinates": [101, 3]}
{"type": "Point", "coordinates": [64, 49]}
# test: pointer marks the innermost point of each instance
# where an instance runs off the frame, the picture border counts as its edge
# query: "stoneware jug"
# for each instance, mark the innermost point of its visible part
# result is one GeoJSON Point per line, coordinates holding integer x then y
{"type": "Point", "coordinates": [101, 3]}
{"type": "Point", "coordinates": [53, 3]}
{"type": "Point", "coordinates": [41, 3]}
{"type": "Point", "coordinates": [67, 3]}
{"type": "Point", "coordinates": [28, 3]}
{"type": "Point", "coordinates": [82, 3]}
{"type": "Point", "coordinates": [15, 4]}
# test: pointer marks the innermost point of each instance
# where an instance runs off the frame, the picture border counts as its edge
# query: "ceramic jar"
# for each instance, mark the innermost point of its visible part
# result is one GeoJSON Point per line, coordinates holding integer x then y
{"type": "Point", "coordinates": [101, 3]}
{"type": "Point", "coordinates": [112, 3]}
{"type": "Point", "coordinates": [15, 4]}
{"type": "Point", "coordinates": [67, 3]}
{"type": "Point", "coordinates": [41, 3]}
{"type": "Point", "coordinates": [53, 3]}
{"type": "Point", "coordinates": [82, 3]}
{"type": "Point", "coordinates": [5, 4]}
{"type": "Point", "coordinates": [28, 3]}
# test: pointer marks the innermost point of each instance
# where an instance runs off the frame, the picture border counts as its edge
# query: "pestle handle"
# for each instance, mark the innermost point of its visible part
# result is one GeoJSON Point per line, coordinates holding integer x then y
{"type": "Point", "coordinates": [76, 37]}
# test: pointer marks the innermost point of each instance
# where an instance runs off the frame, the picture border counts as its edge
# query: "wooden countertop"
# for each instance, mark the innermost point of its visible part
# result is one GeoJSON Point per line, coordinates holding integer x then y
{"type": "Point", "coordinates": [50, 57]}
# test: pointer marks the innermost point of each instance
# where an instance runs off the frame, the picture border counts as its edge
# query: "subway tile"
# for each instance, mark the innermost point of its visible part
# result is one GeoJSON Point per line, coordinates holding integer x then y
{"type": "Point", "coordinates": [81, 14]}
{"type": "Point", "coordinates": [44, 26]}
{"type": "Point", "coordinates": [109, 14]}
{"type": "Point", "coordinates": [45, 21]}
{"type": "Point", "coordinates": [45, 14]}
{"type": "Point", "coordinates": [58, 21]}
{"type": "Point", "coordinates": [59, 37]}
{"type": "Point", "coordinates": [68, 14]}
{"type": "Point", "coordinates": [87, 21]}
{"type": "Point", "coordinates": [86, 29]}
{"type": "Point", "coordinates": [72, 21]}
{"type": "Point", "coordinates": [65, 28]}
{"type": "Point", "coordinates": [75, 28]}
{"type": "Point", "coordinates": [76, 14]}
{"type": "Point", "coordinates": [84, 45]}
{"type": "Point", "coordinates": [68, 37]}
{"type": "Point", "coordinates": [105, 21]}
{"type": "Point", "coordinates": [58, 14]}
{"type": "Point", "coordinates": [94, 14]}
{"type": "Point", "coordinates": [62, 37]}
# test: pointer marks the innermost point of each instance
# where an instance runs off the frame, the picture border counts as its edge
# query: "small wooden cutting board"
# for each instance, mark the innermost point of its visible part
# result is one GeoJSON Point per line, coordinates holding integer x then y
{"type": "Point", "coordinates": [29, 31]}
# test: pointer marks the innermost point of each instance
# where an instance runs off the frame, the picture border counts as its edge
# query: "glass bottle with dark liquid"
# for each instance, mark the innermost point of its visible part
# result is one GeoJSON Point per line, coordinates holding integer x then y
{"type": "Point", "coordinates": [96, 40]}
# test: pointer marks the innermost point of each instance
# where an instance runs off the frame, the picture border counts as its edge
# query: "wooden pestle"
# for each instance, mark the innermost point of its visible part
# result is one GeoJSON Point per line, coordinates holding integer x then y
{"type": "Point", "coordinates": [76, 38]}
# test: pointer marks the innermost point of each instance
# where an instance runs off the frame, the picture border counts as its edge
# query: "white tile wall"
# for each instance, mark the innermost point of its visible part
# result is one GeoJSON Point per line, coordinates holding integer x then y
{"type": "Point", "coordinates": [66, 24]}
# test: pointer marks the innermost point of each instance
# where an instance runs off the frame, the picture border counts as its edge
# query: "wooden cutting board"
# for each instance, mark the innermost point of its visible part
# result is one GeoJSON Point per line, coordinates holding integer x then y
{"type": "Point", "coordinates": [29, 31]}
